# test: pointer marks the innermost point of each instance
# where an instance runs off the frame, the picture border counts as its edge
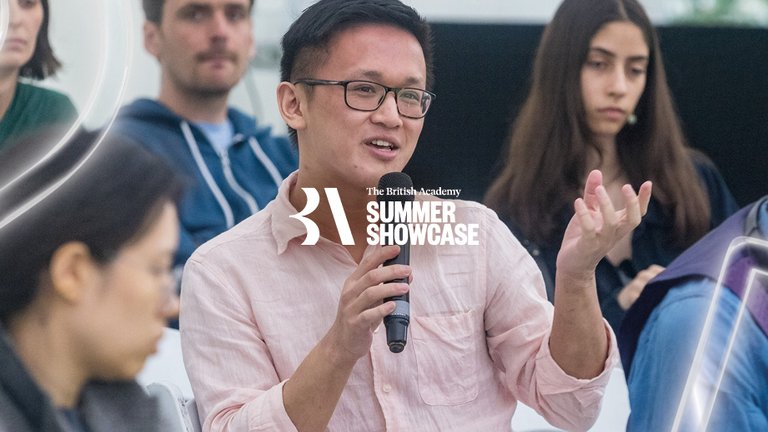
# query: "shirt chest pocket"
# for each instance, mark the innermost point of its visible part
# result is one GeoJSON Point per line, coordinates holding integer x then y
{"type": "Point", "coordinates": [446, 358]}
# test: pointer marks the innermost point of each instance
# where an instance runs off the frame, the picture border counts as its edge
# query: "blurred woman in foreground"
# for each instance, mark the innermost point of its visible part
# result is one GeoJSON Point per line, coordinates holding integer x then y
{"type": "Point", "coordinates": [85, 289]}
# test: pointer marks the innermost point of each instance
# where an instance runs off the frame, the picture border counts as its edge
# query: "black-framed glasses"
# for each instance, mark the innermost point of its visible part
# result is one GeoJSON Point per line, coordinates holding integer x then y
{"type": "Point", "coordinates": [363, 95]}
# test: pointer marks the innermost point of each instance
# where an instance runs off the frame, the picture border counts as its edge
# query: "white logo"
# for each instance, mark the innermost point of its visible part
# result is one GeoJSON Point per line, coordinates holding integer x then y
{"type": "Point", "coordinates": [337, 209]}
{"type": "Point", "coordinates": [393, 222]}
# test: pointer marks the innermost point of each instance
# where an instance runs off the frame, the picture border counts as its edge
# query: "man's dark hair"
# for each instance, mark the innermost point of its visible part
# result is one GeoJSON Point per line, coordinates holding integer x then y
{"type": "Point", "coordinates": [109, 202]}
{"type": "Point", "coordinates": [153, 10]}
{"type": "Point", "coordinates": [305, 44]}
{"type": "Point", "coordinates": [43, 62]}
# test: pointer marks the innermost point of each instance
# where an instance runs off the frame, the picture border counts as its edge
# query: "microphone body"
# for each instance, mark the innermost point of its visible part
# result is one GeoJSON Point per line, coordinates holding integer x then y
{"type": "Point", "coordinates": [397, 322]}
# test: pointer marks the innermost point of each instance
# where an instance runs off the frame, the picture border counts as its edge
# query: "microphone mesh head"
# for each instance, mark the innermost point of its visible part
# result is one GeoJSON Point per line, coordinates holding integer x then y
{"type": "Point", "coordinates": [395, 186]}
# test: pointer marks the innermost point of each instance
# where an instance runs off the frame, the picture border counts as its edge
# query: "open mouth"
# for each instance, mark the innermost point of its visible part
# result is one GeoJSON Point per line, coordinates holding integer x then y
{"type": "Point", "coordinates": [383, 145]}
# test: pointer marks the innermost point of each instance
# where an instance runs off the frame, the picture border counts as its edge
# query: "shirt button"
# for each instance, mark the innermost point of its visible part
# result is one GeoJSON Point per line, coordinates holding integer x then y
{"type": "Point", "coordinates": [386, 388]}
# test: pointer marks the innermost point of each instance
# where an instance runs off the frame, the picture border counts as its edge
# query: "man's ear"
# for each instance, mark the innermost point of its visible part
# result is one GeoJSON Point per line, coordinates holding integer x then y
{"type": "Point", "coordinates": [152, 38]}
{"type": "Point", "coordinates": [72, 270]}
{"type": "Point", "coordinates": [291, 103]}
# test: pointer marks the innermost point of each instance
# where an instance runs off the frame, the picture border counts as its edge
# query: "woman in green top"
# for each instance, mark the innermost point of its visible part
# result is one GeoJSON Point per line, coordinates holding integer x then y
{"type": "Point", "coordinates": [26, 52]}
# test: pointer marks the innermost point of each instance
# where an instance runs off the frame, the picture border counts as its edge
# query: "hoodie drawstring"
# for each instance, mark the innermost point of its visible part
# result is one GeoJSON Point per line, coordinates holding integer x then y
{"type": "Point", "coordinates": [266, 161]}
{"type": "Point", "coordinates": [195, 150]}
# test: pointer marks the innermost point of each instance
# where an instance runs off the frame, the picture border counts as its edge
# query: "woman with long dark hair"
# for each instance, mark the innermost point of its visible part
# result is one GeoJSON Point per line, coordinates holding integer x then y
{"type": "Point", "coordinates": [599, 99]}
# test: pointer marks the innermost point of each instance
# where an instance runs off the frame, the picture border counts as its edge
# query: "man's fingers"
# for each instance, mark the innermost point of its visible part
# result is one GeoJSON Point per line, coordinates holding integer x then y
{"type": "Point", "coordinates": [374, 295]}
{"type": "Point", "coordinates": [586, 222]}
{"type": "Point", "coordinates": [369, 272]}
{"type": "Point", "coordinates": [594, 179]}
{"type": "Point", "coordinates": [375, 259]}
{"type": "Point", "coordinates": [631, 207]}
{"type": "Point", "coordinates": [610, 218]}
{"type": "Point", "coordinates": [644, 196]}
{"type": "Point", "coordinates": [373, 316]}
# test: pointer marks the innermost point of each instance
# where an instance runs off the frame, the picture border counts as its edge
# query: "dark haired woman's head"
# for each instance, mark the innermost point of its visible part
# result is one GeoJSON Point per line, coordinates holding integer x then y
{"type": "Point", "coordinates": [27, 46]}
{"type": "Point", "coordinates": [566, 46]}
{"type": "Point", "coordinates": [562, 125]}
{"type": "Point", "coordinates": [306, 44]}
{"type": "Point", "coordinates": [109, 202]}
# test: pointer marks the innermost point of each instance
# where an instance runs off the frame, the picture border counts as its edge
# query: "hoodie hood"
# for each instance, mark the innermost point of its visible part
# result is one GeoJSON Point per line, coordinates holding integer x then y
{"type": "Point", "coordinates": [150, 111]}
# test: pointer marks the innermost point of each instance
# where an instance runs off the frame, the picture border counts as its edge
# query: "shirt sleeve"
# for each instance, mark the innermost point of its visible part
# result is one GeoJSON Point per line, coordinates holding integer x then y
{"type": "Point", "coordinates": [235, 385]}
{"type": "Point", "coordinates": [518, 321]}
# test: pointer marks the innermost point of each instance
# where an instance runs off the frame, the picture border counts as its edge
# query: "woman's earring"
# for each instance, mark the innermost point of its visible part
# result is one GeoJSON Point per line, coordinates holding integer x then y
{"type": "Point", "coordinates": [631, 119]}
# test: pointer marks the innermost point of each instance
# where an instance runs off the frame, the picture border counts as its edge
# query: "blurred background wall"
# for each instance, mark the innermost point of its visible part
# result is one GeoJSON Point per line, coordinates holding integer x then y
{"type": "Point", "coordinates": [716, 55]}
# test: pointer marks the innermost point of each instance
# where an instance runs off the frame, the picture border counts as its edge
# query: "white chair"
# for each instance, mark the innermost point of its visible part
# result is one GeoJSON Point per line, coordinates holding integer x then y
{"type": "Point", "coordinates": [164, 377]}
{"type": "Point", "coordinates": [613, 415]}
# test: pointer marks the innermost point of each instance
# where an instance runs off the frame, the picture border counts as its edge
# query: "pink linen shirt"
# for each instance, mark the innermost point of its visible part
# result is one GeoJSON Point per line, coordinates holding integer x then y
{"type": "Point", "coordinates": [255, 302]}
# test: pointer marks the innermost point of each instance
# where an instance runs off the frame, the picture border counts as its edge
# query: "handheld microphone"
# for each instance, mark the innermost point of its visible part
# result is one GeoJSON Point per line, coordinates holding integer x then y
{"type": "Point", "coordinates": [397, 186]}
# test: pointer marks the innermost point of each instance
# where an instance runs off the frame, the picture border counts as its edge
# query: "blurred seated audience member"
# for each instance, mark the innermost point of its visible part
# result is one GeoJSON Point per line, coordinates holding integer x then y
{"type": "Point", "coordinates": [661, 334]}
{"type": "Point", "coordinates": [85, 287]}
{"type": "Point", "coordinates": [27, 53]}
{"type": "Point", "coordinates": [599, 100]}
{"type": "Point", "coordinates": [234, 164]}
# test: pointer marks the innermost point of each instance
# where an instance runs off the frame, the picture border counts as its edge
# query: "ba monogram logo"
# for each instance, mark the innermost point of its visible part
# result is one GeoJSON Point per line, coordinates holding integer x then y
{"type": "Point", "coordinates": [418, 222]}
{"type": "Point", "coordinates": [337, 209]}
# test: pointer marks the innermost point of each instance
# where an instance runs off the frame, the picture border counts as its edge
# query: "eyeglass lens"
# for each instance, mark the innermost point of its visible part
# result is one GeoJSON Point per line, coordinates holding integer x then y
{"type": "Point", "coordinates": [369, 96]}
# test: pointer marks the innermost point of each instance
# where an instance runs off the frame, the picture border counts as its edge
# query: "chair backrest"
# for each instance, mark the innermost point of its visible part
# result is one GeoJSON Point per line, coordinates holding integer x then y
{"type": "Point", "coordinates": [164, 377]}
{"type": "Point", "coordinates": [177, 413]}
{"type": "Point", "coordinates": [167, 364]}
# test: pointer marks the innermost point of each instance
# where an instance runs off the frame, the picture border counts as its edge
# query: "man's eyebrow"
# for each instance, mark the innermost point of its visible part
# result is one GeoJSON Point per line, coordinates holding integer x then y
{"type": "Point", "coordinates": [375, 75]}
{"type": "Point", "coordinates": [193, 6]}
